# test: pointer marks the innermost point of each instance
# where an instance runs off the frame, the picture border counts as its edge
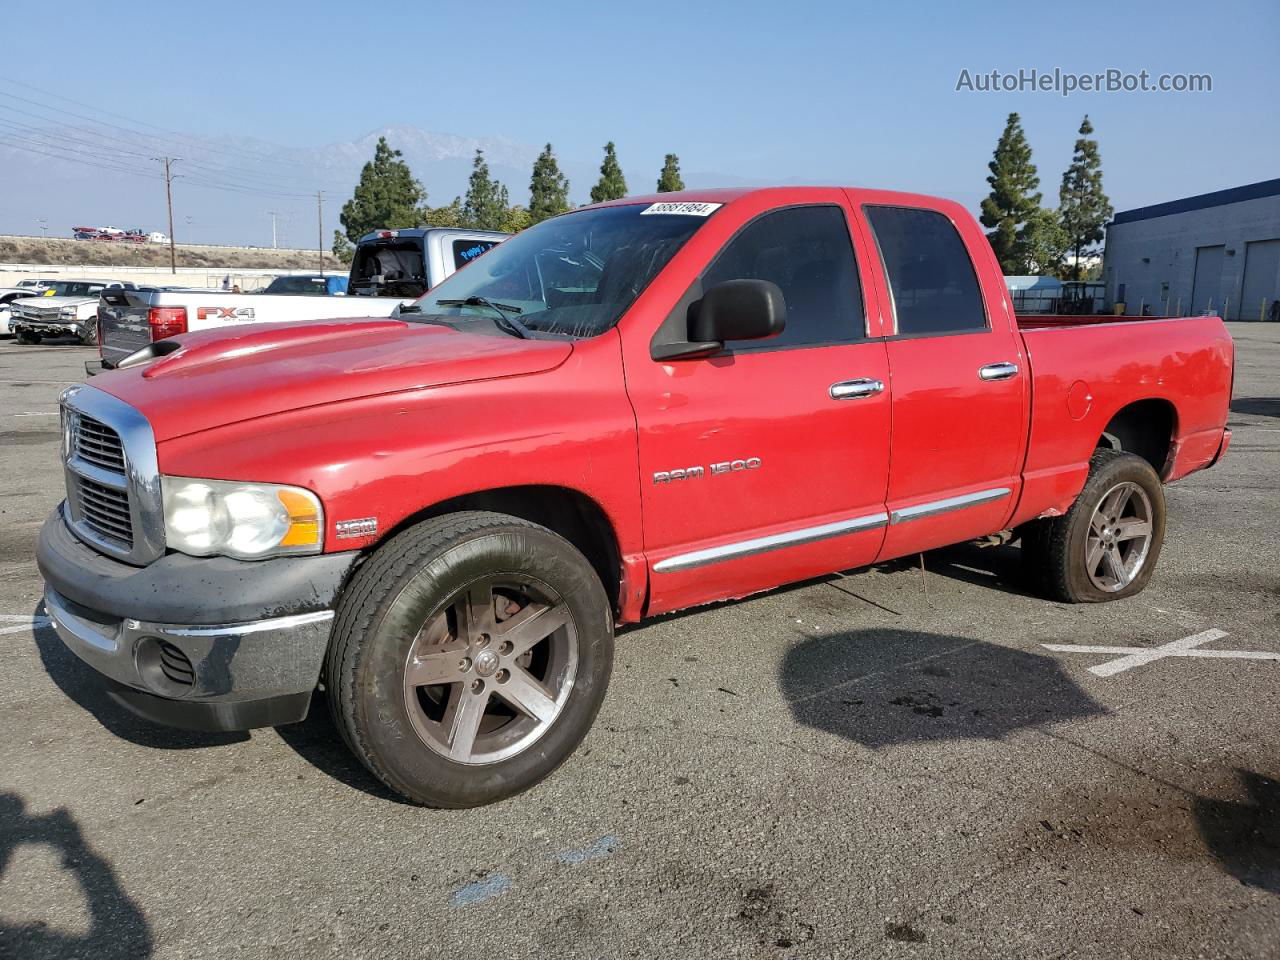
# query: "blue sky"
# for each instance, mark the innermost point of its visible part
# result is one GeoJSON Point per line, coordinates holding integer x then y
{"type": "Point", "coordinates": [808, 91]}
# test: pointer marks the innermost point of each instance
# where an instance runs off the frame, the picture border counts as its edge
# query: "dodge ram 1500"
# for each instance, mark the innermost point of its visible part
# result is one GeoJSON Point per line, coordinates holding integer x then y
{"type": "Point", "coordinates": [438, 519]}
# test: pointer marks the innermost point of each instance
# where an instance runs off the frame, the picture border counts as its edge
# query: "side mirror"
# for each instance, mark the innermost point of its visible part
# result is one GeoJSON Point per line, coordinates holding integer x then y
{"type": "Point", "coordinates": [732, 310]}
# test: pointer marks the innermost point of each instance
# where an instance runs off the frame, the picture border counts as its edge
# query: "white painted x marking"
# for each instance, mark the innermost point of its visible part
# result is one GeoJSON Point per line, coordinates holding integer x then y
{"type": "Point", "coordinates": [1137, 656]}
{"type": "Point", "coordinates": [24, 622]}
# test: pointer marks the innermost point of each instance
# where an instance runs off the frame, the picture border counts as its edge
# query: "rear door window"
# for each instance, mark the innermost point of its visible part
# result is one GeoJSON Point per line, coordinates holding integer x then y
{"type": "Point", "coordinates": [931, 278]}
{"type": "Point", "coordinates": [464, 251]}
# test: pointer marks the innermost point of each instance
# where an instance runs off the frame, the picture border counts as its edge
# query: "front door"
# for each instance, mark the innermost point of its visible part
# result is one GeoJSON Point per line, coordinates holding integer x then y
{"type": "Point", "coordinates": [767, 462]}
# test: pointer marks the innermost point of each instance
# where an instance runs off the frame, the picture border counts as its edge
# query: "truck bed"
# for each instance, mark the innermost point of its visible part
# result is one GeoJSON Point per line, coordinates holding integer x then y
{"type": "Point", "coordinates": [1032, 321]}
{"type": "Point", "coordinates": [1085, 369]}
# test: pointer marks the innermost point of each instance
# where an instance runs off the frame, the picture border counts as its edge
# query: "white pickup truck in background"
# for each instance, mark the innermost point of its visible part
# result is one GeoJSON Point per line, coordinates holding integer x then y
{"type": "Point", "coordinates": [400, 265]}
{"type": "Point", "coordinates": [131, 319]}
{"type": "Point", "coordinates": [64, 308]}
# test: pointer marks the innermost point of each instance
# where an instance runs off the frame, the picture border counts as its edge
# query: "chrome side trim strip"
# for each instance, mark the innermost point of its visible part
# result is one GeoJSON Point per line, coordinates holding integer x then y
{"type": "Point", "coordinates": [921, 510]}
{"type": "Point", "coordinates": [743, 548]}
{"type": "Point", "coordinates": [254, 626]}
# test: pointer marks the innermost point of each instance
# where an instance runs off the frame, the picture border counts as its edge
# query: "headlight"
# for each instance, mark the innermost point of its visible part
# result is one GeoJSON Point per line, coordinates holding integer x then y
{"type": "Point", "coordinates": [68, 312]}
{"type": "Point", "coordinates": [248, 521]}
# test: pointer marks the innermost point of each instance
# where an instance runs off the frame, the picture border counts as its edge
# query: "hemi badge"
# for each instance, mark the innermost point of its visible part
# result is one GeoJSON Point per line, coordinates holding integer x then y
{"type": "Point", "coordinates": [350, 529]}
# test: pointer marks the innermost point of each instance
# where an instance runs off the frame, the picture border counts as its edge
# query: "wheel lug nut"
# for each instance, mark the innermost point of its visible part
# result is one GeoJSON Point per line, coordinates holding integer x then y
{"type": "Point", "coordinates": [505, 647]}
{"type": "Point", "coordinates": [464, 664]}
{"type": "Point", "coordinates": [484, 639]}
{"type": "Point", "coordinates": [477, 686]}
{"type": "Point", "coordinates": [501, 676]}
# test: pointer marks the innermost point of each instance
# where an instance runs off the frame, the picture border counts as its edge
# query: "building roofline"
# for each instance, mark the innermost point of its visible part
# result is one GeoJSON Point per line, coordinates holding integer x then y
{"type": "Point", "coordinates": [1250, 191]}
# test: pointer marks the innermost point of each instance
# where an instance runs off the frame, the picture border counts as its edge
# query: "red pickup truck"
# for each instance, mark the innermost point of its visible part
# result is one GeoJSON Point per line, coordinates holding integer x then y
{"type": "Point", "coordinates": [628, 409]}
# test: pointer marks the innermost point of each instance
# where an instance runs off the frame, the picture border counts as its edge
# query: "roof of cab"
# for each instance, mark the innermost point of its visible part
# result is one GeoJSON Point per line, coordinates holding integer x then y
{"type": "Point", "coordinates": [787, 194]}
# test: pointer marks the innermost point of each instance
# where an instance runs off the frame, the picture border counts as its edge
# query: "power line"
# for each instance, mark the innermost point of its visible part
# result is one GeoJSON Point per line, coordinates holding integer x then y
{"type": "Point", "coordinates": [238, 153]}
{"type": "Point", "coordinates": [243, 182]}
{"type": "Point", "coordinates": [89, 163]}
{"type": "Point", "coordinates": [119, 164]}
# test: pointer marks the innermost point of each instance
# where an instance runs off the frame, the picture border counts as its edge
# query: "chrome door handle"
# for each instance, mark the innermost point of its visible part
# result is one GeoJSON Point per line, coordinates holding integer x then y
{"type": "Point", "coordinates": [998, 371]}
{"type": "Point", "coordinates": [852, 389]}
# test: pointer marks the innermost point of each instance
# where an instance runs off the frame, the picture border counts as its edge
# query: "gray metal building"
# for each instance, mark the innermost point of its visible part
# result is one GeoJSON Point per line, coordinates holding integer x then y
{"type": "Point", "coordinates": [1215, 253]}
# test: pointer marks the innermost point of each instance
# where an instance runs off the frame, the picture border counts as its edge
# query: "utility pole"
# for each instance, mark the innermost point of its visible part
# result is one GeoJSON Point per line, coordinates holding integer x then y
{"type": "Point", "coordinates": [272, 214]}
{"type": "Point", "coordinates": [320, 226]}
{"type": "Point", "coordinates": [168, 193]}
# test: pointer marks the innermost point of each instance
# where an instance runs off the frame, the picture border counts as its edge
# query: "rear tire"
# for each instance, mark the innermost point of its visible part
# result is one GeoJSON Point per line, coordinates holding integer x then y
{"type": "Point", "coordinates": [469, 658]}
{"type": "Point", "coordinates": [1106, 546]}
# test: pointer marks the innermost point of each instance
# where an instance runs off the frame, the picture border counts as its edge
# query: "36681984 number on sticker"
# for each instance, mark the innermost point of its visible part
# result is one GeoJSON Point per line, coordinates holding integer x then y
{"type": "Point", "coordinates": [688, 208]}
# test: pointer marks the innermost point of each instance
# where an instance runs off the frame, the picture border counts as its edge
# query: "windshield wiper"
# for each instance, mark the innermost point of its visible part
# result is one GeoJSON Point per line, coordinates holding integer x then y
{"type": "Point", "coordinates": [508, 324]}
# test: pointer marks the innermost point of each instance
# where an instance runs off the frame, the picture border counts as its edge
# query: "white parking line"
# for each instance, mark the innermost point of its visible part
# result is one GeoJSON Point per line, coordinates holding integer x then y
{"type": "Point", "coordinates": [45, 413]}
{"type": "Point", "coordinates": [24, 621]}
{"type": "Point", "coordinates": [1137, 656]}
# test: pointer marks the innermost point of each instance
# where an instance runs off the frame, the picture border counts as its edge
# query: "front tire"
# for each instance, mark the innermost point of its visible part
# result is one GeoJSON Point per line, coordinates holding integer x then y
{"type": "Point", "coordinates": [28, 338]}
{"type": "Point", "coordinates": [470, 656]}
{"type": "Point", "coordinates": [1106, 546]}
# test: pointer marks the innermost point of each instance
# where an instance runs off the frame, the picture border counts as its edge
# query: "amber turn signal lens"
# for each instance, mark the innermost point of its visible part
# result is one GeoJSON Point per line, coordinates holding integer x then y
{"type": "Point", "coordinates": [304, 521]}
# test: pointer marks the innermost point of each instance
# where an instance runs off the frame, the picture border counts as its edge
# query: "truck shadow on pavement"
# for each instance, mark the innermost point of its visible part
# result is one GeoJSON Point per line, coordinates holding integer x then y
{"type": "Point", "coordinates": [317, 741]}
{"type": "Point", "coordinates": [881, 688]}
{"type": "Point", "coordinates": [1244, 836]}
{"type": "Point", "coordinates": [1258, 406]}
{"type": "Point", "coordinates": [117, 928]}
{"type": "Point", "coordinates": [82, 684]}
{"type": "Point", "coordinates": [993, 567]}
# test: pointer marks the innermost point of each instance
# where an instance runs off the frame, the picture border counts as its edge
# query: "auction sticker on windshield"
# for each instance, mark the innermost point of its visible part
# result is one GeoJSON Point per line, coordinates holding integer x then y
{"type": "Point", "coordinates": [689, 208]}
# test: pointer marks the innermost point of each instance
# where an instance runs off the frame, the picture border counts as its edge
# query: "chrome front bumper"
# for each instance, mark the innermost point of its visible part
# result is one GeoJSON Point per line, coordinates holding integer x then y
{"type": "Point", "coordinates": [221, 677]}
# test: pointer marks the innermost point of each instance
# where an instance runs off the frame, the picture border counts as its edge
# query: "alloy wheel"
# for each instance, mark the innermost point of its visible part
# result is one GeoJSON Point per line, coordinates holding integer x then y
{"type": "Point", "coordinates": [1119, 537]}
{"type": "Point", "coordinates": [487, 676]}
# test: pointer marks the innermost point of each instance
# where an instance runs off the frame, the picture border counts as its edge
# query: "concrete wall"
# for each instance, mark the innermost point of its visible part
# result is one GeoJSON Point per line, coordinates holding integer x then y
{"type": "Point", "coordinates": [203, 278]}
{"type": "Point", "coordinates": [1145, 255]}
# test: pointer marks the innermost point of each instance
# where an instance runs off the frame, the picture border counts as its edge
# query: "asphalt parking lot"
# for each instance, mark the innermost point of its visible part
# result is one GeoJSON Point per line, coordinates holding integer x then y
{"type": "Point", "coordinates": [886, 763]}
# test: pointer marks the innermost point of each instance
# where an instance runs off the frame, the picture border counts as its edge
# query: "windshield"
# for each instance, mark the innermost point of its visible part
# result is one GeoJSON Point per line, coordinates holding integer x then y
{"type": "Point", "coordinates": [573, 275]}
{"type": "Point", "coordinates": [69, 288]}
{"type": "Point", "coordinates": [314, 286]}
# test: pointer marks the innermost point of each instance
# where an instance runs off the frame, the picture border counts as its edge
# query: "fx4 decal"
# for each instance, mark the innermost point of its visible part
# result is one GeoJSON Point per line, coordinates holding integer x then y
{"type": "Point", "coordinates": [224, 313]}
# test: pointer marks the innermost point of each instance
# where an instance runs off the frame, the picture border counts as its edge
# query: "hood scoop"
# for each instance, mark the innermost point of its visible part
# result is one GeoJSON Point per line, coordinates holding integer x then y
{"type": "Point", "coordinates": [203, 350]}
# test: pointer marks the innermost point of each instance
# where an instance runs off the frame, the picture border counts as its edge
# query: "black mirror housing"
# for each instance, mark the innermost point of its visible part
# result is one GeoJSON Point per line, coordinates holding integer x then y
{"type": "Point", "coordinates": [739, 310]}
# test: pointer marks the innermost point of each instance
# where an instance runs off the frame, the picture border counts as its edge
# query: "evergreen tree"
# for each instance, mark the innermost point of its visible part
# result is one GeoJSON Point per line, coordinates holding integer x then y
{"type": "Point", "coordinates": [1013, 197]}
{"type": "Point", "coordinates": [1042, 244]}
{"type": "Point", "coordinates": [515, 219]}
{"type": "Point", "coordinates": [548, 188]}
{"type": "Point", "coordinates": [387, 196]}
{"type": "Point", "coordinates": [612, 185]}
{"type": "Point", "coordinates": [342, 247]}
{"type": "Point", "coordinates": [450, 215]}
{"type": "Point", "coordinates": [669, 179]}
{"type": "Point", "coordinates": [485, 205]}
{"type": "Point", "coordinates": [1083, 206]}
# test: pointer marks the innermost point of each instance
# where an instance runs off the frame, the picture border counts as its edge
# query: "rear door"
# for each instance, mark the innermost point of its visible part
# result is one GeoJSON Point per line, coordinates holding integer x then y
{"type": "Point", "coordinates": [959, 381]}
{"type": "Point", "coordinates": [767, 462]}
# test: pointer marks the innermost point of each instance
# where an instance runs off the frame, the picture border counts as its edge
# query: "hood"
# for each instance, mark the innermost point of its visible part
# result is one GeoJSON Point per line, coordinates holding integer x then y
{"type": "Point", "coordinates": [35, 300]}
{"type": "Point", "coordinates": [221, 377]}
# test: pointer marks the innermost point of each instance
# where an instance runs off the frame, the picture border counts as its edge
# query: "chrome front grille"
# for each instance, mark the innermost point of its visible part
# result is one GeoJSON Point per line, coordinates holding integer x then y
{"type": "Point", "coordinates": [97, 443]}
{"type": "Point", "coordinates": [106, 511]}
{"type": "Point", "coordinates": [113, 483]}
